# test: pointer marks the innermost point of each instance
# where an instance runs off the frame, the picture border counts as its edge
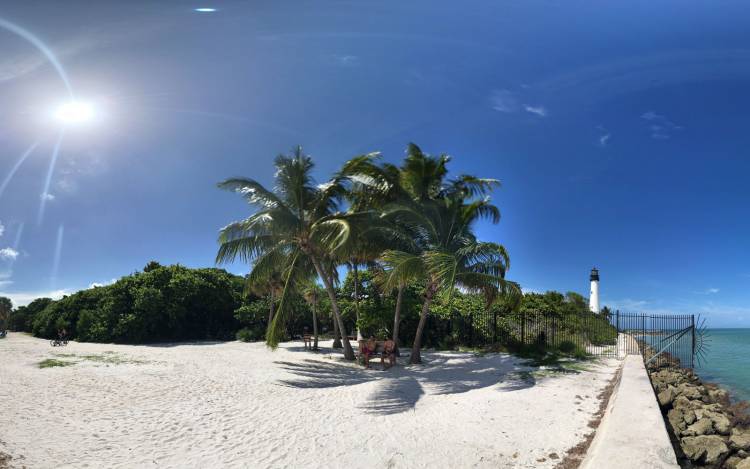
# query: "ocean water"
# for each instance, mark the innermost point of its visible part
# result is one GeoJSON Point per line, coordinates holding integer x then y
{"type": "Point", "coordinates": [727, 361]}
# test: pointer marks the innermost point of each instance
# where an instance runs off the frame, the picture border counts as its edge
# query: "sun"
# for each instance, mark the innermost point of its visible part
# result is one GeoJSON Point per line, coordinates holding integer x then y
{"type": "Point", "coordinates": [75, 112]}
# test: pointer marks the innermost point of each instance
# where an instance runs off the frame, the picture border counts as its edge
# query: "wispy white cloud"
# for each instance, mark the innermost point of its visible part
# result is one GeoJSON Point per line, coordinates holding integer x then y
{"type": "Point", "coordinates": [8, 254]}
{"type": "Point", "coordinates": [507, 101]}
{"type": "Point", "coordinates": [660, 127]}
{"type": "Point", "coordinates": [708, 291]}
{"type": "Point", "coordinates": [102, 284]}
{"type": "Point", "coordinates": [24, 298]}
{"type": "Point", "coordinates": [504, 101]}
{"type": "Point", "coordinates": [345, 60]}
{"type": "Point", "coordinates": [47, 196]}
{"type": "Point", "coordinates": [540, 111]}
{"type": "Point", "coordinates": [604, 136]}
{"type": "Point", "coordinates": [2, 229]}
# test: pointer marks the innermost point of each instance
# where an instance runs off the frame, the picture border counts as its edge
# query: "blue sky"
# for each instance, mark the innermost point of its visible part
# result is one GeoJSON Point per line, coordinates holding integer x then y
{"type": "Point", "coordinates": [618, 129]}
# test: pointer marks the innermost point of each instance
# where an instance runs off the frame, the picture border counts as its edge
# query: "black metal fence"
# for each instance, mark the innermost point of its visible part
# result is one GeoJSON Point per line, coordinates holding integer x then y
{"type": "Point", "coordinates": [663, 340]}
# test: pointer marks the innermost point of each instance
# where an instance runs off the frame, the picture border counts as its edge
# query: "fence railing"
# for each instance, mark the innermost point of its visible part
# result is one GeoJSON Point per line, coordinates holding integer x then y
{"type": "Point", "coordinates": [663, 340]}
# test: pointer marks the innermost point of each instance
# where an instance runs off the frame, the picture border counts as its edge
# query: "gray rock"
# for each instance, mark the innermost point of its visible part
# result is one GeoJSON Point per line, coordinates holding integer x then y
{"type": "Point", "coordinates": [718, 395]}
{"type": "Point", "coordinates": [706, 449]}
{"type": "Point", "coordinates": [732, 462]}
{"type": "Point", "coordinates": [688, 416]}
{"type": "Point", "coordinates": [690, 391]}
{"type": "Point", "coordinates": [677, 420]}
{"type": "Point", "coordinates": [666, 396]}
{"type": "Point", "coordinates": [740, 439]}
{"type": "Point", "coordinates": [701, 427]}
{"type": "Point", "coordinates": [721, 423]}
{"type": "Point", "coordinates": [682, 402]}
{"type": "Point", "coordinates": [744, 464]}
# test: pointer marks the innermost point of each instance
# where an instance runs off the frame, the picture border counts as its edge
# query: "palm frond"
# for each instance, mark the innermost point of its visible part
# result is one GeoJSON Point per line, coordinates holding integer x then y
{"type": "Point", "coordinates": [252, 191]}
{"type": "Point", "coordinates": [401, 267]}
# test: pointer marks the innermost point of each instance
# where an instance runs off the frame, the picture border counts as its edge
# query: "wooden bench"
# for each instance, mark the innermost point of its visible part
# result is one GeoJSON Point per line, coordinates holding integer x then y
{"type": "Point", "coordinates": [379, 351]}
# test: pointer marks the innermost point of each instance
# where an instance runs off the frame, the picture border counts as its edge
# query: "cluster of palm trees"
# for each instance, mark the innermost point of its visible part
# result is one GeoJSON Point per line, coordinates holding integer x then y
{"type": "Point", "coordinates": [411, 223]}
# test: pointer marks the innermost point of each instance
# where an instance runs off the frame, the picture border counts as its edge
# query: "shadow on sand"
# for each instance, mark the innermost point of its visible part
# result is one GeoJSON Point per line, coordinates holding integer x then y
{"type": "Point", "coordinates": [399, 389]}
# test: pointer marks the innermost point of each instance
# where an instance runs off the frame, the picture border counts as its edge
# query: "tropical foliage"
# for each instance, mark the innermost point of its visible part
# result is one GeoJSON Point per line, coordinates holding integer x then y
{"type": "Point", "coordinates": [412, 223]}
{"type": "Point", "coordinates": [162, 303]}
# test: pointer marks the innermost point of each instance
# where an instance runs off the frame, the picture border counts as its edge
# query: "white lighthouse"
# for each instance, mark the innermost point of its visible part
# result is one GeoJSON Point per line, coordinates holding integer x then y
{"type": "Point", "coordinates": [594, 297]}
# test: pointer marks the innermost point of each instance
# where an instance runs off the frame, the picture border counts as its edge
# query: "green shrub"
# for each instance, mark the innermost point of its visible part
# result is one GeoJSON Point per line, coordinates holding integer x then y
{"type": "Point", "coordinates": [567, 346]}
{"type": "Point", "coordinates": [580, 353]}
{"type": "Point", "coordinates": [250, 334]}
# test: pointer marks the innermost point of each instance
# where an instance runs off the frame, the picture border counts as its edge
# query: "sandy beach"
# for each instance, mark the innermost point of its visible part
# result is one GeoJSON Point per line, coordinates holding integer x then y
{"type": "Point", "coordinates": [236, 404]}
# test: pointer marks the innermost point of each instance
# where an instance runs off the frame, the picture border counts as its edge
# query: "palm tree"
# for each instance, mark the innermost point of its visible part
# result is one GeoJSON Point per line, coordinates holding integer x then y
{"type": "Point", "coordinates": [295, 226]}
{"type": "Point", "coordinates": [312, 293]}
{"type": "Point", "coordinates": [440, 215]}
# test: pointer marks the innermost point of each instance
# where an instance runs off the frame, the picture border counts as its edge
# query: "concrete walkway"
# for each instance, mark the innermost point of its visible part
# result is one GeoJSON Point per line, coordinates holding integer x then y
{"type": "Point", "coordinates": [632, 432]}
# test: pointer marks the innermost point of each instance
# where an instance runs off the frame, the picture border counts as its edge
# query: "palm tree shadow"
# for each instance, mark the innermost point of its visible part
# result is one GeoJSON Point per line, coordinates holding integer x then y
{"type": "Point", "coordinates": [318, 374]}
{"type": "Point", "coordinates": [399, 389]}
{"type": "Point", "coordinates": [394, 395]}
{"type": "Point", "coordinates": [454, 373]}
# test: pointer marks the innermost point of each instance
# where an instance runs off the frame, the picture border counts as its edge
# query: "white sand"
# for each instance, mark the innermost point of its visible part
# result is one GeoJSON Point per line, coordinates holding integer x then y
{"type": "Point", "coordinates": [241, 405]}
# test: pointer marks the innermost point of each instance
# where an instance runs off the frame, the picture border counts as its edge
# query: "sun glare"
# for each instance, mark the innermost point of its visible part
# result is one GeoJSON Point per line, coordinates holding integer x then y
{"type": "Point", "coordinates": [74, 112]}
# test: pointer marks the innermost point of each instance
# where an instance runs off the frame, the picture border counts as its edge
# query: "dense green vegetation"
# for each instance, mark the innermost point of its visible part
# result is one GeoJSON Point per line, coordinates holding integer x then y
{"type": "Point", "coordinates": [196, 304]}
{"type": "Point", "coordinates": [6, 307]}
{"type": "Point", "coordinates": [162, 303]}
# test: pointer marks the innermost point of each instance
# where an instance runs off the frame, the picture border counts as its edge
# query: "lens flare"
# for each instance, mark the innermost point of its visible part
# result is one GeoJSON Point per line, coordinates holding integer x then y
{"type": "Point", "coordinates": [13, 170]}
{"type": "Point", "coordinates": [36, 42]}
{"type": "Point", "coordinates": [47, 182]}
{"type": "Point", "coordinates": [58, 254]}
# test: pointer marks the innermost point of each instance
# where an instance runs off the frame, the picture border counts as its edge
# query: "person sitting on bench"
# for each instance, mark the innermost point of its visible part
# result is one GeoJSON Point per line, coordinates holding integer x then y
{"type": "Point", "coordinates": [368, 349]}
{"type": "Point", "coordinates": [389, 352]}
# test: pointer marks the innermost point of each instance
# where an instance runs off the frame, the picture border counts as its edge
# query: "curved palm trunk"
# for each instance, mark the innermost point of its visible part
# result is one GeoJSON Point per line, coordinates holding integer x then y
{"type": "Point", "coordinates": [270, 309]}
{"type": "Point", "coordinates": [416, 357]}
{"type": "Point", "coordinates": [348, 352]}
{"type": "Point", "coordinates": [315, 325]}
{"type": "Point", "coordinates": [397, 317]}
{"type": "Point", "coordinates": [356, 300]}
{"type": "Point", "coordinates": [336, 334]}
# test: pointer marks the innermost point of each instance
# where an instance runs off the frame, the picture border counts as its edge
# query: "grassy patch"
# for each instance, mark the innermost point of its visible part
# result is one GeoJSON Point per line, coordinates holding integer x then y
{"type": "Point", "coordinates": [106, 358]}
{"type": "Point", "coordinates": [109, 358]}
{"type": "Point", "coordinates": [52, 362]}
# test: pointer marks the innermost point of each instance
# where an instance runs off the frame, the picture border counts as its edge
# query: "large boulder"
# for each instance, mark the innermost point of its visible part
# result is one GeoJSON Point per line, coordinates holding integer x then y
{"type": "Point", "coordinates": [690, 391]}
{"type": "Point", "coordinates": [682, 402]}
{"type": "Point", "coordinates": [721, 423]}
{"type": "Point", "coordinates": [740, 439]}
{"type": "Point", "coordinates": [704, 449]}
{"type": "Point", "coordinates": [744, 464]}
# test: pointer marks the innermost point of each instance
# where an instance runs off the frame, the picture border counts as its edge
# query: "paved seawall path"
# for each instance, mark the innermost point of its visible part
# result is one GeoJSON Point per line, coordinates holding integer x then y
{"type": "Point", "coordinates": [632, 433]}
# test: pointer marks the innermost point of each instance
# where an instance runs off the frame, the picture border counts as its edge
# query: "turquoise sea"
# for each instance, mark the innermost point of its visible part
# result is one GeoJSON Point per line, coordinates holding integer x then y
{"type": "Point", "coordinates": [728, 361]}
